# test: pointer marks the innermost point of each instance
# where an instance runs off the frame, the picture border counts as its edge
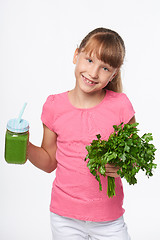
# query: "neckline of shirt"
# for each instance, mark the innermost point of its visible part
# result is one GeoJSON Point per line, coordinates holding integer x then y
{"type": "Point", "coordinates": [86, 109]}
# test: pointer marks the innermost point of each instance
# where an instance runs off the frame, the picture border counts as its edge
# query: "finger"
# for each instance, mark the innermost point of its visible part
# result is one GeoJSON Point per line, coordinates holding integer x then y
{"type": "Point", "coordinates": [110, 165]}
{"type": "Point", "coordinates": [115, 175]}
{"type": "Point", "coordinates": [112, 169]}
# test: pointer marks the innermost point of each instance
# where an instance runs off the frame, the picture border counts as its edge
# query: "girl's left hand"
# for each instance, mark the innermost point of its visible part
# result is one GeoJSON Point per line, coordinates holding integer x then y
{"type": "Point", "coordinates": [111, 170]}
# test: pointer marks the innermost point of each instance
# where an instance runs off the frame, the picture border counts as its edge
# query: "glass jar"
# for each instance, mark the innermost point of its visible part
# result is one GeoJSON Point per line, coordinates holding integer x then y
{"type": "Point", "coordinates": [16, 140]}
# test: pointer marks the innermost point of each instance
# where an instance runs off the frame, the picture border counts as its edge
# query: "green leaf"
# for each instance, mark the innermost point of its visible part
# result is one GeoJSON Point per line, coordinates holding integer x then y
{"type": "Point", "coordinates": [124, 148]}
{"type": "Point", "coordinates": [93, 171]}
{"type": "Point", "coordinates": [123, 157]}
{"type": "Point", "coordinates": [112, 156]}
{"type": "Point", "coordinates": [98, 136]}
{"type": "Point", "coordinates": [147, 137]}
{"type": "Point", "coordinates": [102, 170]}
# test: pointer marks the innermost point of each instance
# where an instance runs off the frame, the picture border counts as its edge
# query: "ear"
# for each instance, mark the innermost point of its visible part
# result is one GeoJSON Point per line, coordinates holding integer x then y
{"type": "Point", "coordinates": [75, 56]}
{"type": "Point", "coordinates": [113, 76]}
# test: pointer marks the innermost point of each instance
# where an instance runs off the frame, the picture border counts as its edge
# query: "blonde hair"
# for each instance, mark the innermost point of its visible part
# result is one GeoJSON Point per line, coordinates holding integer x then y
{"type": "Point", "coordinates": [109, 47]}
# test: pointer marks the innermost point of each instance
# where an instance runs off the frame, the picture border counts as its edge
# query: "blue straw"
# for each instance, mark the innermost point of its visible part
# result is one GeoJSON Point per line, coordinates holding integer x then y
{"type": "Point", "coordinates": [21, 113]}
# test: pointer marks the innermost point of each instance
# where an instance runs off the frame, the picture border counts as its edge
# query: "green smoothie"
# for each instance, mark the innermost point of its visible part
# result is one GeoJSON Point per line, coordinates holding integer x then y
{"type": "Point", "coordinates": [15, 147]}
{"type": "Point", "coordinates": [16, 141]}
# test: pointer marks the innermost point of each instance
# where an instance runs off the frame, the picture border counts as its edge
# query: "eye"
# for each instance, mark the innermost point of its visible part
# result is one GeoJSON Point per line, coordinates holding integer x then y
{"type": "Point", "coordinates": [89, 60]}
{"type": "Point", "coordinates": [105, 69]}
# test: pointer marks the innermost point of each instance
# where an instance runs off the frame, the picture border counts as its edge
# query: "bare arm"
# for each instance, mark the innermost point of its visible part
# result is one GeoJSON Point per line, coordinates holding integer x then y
{"type": "Point", "coordinates": [111, 170]}
{"type": "Point", "coordinates": [44, 157]}
{"type": "Point", "coordinates": [133, 120]}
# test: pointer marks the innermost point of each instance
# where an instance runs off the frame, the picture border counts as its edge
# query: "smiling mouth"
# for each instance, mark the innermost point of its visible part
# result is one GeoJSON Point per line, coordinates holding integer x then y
{"type": "Point", "coordinates": [89, 81]}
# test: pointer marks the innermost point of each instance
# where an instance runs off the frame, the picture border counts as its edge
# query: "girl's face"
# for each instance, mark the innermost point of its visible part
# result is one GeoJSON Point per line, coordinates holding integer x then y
{"type": "Point", "coordinates": [91, 73]}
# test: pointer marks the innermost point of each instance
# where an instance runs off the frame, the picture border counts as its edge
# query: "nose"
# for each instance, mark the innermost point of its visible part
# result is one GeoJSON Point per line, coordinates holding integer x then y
{"type": "Point", "coordinates": [93, 72]}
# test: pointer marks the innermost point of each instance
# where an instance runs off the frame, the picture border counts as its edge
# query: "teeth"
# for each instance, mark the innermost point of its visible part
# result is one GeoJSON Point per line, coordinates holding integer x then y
{"type": "Point", "coordinates": [88, 81]}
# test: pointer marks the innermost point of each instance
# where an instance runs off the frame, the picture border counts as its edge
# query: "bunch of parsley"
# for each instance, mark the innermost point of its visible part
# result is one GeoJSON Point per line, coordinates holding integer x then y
{"type": "Point", "coordinates": [125, 149]}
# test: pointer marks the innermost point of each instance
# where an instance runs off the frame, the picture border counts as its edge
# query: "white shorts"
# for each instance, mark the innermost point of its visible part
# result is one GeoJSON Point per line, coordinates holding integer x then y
{"type": "Point", "coordinates": [64, 228]}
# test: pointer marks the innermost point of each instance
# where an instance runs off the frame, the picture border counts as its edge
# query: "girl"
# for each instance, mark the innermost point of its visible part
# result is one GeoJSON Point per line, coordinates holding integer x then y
{"type": "Point", "coordinates": [71, 120]}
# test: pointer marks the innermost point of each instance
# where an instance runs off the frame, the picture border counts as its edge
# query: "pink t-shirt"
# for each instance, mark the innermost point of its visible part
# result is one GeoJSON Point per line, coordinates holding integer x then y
{"type": "Point", "coordinates": [75, 191]}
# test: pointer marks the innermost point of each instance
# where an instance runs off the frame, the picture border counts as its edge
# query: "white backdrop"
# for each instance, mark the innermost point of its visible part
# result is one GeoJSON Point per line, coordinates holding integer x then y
{"type": "Point", "coordinates": [37, 42]}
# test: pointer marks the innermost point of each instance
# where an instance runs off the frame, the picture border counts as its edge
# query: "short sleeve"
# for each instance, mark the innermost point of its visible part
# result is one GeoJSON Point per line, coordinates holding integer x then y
{"type": "Point", "coordinates": [47, 115]}
{"type": "Point", "coordinates": [127, 110]}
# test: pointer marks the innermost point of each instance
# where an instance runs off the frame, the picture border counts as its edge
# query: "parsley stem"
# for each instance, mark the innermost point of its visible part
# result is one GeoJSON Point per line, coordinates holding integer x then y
{"type": "Point", "coordinates": [111, 186]}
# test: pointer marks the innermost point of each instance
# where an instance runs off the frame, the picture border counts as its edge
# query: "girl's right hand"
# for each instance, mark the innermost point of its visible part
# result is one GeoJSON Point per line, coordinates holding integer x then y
{"type": "Point", "coordinates": [44, 157]}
